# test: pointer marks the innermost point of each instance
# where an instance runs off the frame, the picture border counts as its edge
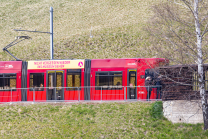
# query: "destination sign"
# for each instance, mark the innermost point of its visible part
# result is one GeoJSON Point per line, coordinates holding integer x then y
{"type": "Point", "coordinates": [56, 64]}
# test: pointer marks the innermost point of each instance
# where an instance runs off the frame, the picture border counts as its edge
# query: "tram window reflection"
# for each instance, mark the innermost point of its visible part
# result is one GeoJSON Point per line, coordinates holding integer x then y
{"type": "Point", "coordinates": [73, 80]}
{"type": "Point", "coordinates": [8, 81]}
{"type": "Point", "coordinates": [109, 80]}
{"type": "Point", "coordinates": [37, 81]}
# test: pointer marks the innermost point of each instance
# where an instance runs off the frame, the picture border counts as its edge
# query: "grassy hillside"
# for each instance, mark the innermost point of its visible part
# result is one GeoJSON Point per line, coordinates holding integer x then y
{"type": "Point", "coordinates": [102, 120]}
{"type": "Point", "coordinates": [116, 28]}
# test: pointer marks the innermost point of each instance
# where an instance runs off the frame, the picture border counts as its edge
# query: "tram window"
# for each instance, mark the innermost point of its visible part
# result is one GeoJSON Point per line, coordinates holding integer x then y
{"type": "Point", "coordinates": [8, 82]}
{"type": "Point", "coordinates": [102, 79]}
{"type": "Point", "coordinates": [73, 80]}
{"type": "Point", "coordinates": [108, 80]}
{"type": "Point", "coordinates": [59, 80]}
{"type": "Point", "coordinates": [37, 81]}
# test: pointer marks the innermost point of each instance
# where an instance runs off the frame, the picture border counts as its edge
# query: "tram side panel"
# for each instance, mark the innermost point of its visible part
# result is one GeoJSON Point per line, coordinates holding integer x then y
{"type": "Point", "coordinates": [108, 79]}
{"type": "Point", "coordinates": [51, 80]}
{"type": "Point", "coordinates": [141, 91]}
{"type": "Point", "coordinates": [10, 81]}
{"type": "Point", "coordinates": [107, 84]}
{"type": "Point", "coordinates": [24, 81]}
{"type": "Point", "coordinates": [36, 83]}
{"type": "Point", "coordinates": [146, 67]}
{"type": "Point", "coordinates": [87, 80]}
{"type": "Point", "coordinates": [74, 82]}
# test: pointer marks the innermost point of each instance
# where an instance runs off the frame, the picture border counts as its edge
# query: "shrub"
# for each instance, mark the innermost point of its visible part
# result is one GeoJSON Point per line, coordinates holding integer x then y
{"type": "Point", "coordinates": [156, 110]}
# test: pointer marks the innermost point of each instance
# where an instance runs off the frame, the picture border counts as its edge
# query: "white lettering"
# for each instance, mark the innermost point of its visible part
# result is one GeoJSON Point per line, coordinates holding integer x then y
{"type": "Point", "coordinates": [131, 64]}
{"type": "Point", "coordinates": [141, 92]}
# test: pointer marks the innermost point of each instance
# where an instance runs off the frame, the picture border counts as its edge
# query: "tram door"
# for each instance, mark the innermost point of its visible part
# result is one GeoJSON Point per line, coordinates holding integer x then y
{"type": "Point", "coordinates": [131, 83]}
{"type": "Point", "coordinates": [55, 83]}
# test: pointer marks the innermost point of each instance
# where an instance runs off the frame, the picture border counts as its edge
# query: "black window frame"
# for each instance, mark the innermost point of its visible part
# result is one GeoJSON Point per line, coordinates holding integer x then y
{"type": "Point", "coordinates": [37, 88]}
{"type": "Point", "coordinates": [73, 72]}
{"type": "Point", "coordinates": [4, 82]}
{"type": "Point", "coordinates": [109, 74]}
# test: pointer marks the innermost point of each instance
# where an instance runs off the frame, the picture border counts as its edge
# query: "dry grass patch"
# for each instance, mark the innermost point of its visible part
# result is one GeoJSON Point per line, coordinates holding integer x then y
{"type": "Point", "coordinates": [72, 19]}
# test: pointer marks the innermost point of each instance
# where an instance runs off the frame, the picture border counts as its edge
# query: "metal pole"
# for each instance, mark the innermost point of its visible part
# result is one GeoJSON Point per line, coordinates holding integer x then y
{"type": "Point", "coordinates": [102, 93]}
{"type": "Point", "coordinates": [33, 95]}
{"type": "Point", "coordinates": [124, 93]}
{"type": "Point", "coordinates": [148, 94]}
{"type": "Point", "coordinates": [55, 96]}
{"type": "Point", "coordinates": [78, 94]}
{"type": "Point", "coordinates": [11, 95]}
{"type": "Point", "coordinates": [51, 32]}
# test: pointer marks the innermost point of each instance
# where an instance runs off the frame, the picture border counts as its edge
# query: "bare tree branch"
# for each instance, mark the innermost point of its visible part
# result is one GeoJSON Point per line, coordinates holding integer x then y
{"type": "Point", "coordinates": [205, 30]}
{"type": "Point", "coordinates": [181, 31]}
{"type": "Point", "coordinates": [178, 3]}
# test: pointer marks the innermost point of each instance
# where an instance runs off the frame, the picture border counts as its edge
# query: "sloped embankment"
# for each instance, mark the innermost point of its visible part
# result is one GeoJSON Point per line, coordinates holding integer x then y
{"type": "Point", "coordinates": [90, 120]}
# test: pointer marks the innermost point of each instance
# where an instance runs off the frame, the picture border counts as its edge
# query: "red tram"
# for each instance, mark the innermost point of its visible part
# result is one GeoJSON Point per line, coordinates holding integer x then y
{"type": "Point", "coordinates": [66, 80]}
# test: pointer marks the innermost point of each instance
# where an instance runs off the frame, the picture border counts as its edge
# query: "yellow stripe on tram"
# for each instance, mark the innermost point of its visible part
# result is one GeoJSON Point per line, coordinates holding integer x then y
{"type": "Point", "coordinates": [60, 71]}
{"type": "Point", "coordinates": [51, 71]}
{"type": "Point", "coordinates": [132, 70]}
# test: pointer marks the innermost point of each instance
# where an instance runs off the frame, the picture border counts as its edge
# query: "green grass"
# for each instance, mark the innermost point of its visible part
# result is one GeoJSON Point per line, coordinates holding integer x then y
{"type": "Point", "coordinates": [117, 28]}
{"type": "Point", "coordinates": [90, 120]}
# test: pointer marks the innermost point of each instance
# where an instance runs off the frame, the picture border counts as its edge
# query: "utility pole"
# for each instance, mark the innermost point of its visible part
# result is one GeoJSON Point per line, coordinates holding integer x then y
{"type": "Point", "coordinates": [51, 32]}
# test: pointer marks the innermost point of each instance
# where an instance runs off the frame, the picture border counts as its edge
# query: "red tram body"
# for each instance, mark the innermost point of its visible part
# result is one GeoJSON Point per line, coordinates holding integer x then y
{"type": "Point", "coordinates": [67, 80]}
{"type": "Point", "coordinates": [10, 80]}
